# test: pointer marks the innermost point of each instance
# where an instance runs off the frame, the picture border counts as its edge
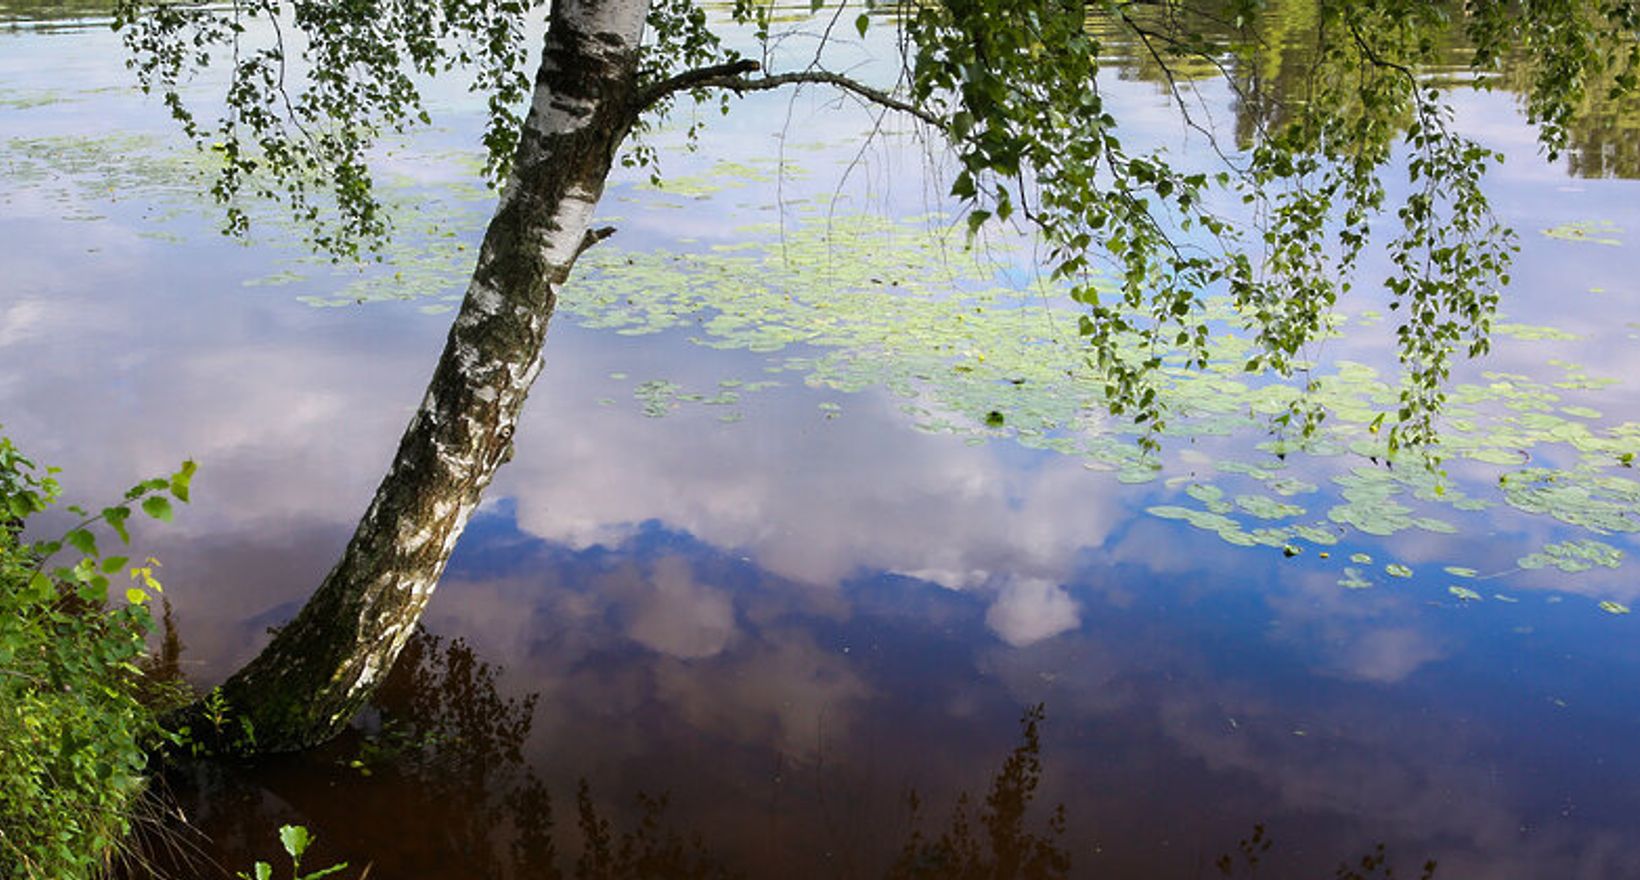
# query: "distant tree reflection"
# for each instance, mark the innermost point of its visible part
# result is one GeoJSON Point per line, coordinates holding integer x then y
{"type": "Point", "coordinates": [1002, 846]}
{"type": "Point", "coordinates": [434, 783]}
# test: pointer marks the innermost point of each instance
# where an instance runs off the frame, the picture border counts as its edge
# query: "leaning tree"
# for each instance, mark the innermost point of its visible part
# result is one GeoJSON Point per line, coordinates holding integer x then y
{"type": "Point", "coordinates": [1010, 87]}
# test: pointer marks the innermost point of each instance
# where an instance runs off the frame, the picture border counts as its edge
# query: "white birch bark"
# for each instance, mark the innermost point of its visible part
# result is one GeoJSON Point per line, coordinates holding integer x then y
{"type": "Point", "coordinates": [322, 666]}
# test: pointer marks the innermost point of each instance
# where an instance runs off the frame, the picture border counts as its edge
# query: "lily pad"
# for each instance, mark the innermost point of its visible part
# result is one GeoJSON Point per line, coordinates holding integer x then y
{"type": "Point", "coordinates": [1574, 556]}
{"type": "Point", "coordinates": [1353, 579]}
{"type": "Point", "coordinates": [1591, 231]}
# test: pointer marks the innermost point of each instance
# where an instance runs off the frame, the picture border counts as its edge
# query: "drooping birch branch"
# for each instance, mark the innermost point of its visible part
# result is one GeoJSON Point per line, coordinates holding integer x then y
{"type": "Point", "coordinates": [732, 77]}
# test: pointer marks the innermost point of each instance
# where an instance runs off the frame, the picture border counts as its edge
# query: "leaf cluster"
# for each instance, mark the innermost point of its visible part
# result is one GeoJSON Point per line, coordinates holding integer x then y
{"type": "Point", "coordinates": [1279, 220]}
{"type": "Point", "coordinates": [1016, 82]}
{"type": "Point", "coordinates": [312, 84]}
{"type": "Point", "coordinates": [295, 840]}
{"type": "Point", "coordinates": [73, 729]}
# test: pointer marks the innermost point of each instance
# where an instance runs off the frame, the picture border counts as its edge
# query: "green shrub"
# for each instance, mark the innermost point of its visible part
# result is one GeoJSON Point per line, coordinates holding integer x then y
{"type": "Point", "coordinates": [73, 731]}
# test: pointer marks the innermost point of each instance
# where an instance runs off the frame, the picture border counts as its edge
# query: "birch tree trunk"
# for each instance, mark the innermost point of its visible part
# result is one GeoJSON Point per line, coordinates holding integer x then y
{"type": "Point", "coordinates": [322, 666]}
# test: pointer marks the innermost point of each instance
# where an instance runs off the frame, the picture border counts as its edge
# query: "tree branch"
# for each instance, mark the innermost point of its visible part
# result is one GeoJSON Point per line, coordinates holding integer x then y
{"type": "Point", "coordinates": [693, 79]}
{"type": "Point", "coordinates": [730, 76]}
{"type": "Point", "coordinates": [592, 237]}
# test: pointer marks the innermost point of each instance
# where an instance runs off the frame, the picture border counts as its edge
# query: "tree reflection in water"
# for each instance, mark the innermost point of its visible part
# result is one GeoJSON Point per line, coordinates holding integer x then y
{"type": "Point", "coordinates": [433, 783]}
{"type": "Point", "coordinates": [1003, 845]}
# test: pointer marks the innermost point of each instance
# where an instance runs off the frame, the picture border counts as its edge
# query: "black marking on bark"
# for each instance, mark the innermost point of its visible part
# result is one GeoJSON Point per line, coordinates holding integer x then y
{"type": "Point", "coordinates": [311, 679]}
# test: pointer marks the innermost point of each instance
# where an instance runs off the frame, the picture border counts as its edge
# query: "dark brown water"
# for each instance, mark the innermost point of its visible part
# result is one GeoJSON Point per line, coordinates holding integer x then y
{"type": "Point", "coordinates": [786, 643]}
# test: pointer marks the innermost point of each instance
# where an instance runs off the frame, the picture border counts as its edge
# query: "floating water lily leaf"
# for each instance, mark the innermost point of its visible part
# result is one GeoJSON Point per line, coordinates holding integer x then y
{"type": "Point", "coordinates": [1396, 569]}
{"type": "Point", "coordinates": [1316, 534]}
{"type": "Point", "coordinates": [1592, 231]}
{"type": "Point", "coordinates": [1290, 486]}
{"type": "Point", "coordinates": [1460, 571]}
{"type": "Point", "coordinates": [1464, 594]}
{"type": "Point", "coordinates": [658, 397]}
{"type": "Point", "coordinates": [1209, 495]}
{"type": "Point", "coordinates": [1611, 607]}
{"type": "Point", "coordinates": [1574, 556]}
{"type": "Point", "coordinates": [1353, 579]}
{"type": "Point", "coordinates": [1532, 332]}
{"type": "Point", "coordinates": [1264, 507]}
{"type": "Point", "coordinates": [1580, 496]}
{"type": "Point", "coordinates": [1361, 558]}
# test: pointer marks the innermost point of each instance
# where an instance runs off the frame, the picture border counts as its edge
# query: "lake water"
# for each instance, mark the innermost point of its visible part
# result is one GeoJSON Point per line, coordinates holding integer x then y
{"type": "Point", "coordinates": [811, 507]}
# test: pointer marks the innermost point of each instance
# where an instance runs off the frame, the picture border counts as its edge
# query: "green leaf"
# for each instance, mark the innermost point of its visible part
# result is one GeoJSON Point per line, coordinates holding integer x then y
{"type": "Point", "coordinates": [94, 589]}
{"type": "Point", "coordinates": [158, 507]}
{"type": "Point", "coordinates": [181, 479]}
{"type": "Point", "coordinates": [861, 23]}
{"type": "Point", "coordinates": [136, 596]}
{"type": "Point", "coordinates": [113, 564]}
{"type": "Point", "coordinates": [39, 588]}
{"type": "Point", "coordinates": [83, 541]}
{"type": "Point", "coordinates": [324, 872]}
{"type": "Point", "coordinates": [295, 839]}
{"type": "Point", "coordinates": [116, 517]}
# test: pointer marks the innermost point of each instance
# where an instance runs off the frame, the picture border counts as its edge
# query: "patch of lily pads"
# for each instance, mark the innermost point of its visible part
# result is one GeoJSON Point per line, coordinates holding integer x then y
{"type": "Point", "coordinates": [1591, 231]}
{"type": "Point", "coordinates": [1574, 556]}
{"type": "Point", "coordinates": [855, 302]}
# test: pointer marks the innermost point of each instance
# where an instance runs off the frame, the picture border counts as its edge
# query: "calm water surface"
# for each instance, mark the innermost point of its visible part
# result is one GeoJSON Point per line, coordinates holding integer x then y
{"type": "Point", "coordinates": [771, 605]}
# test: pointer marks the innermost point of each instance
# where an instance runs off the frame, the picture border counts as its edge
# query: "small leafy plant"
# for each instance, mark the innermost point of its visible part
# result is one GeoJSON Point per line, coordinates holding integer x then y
{"type": "Point", "coordinates": [214, 729]}
{"type": "Point", "coordinates": [74, 731]}
{"type": "Point", "coordinates": [296, 840]}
